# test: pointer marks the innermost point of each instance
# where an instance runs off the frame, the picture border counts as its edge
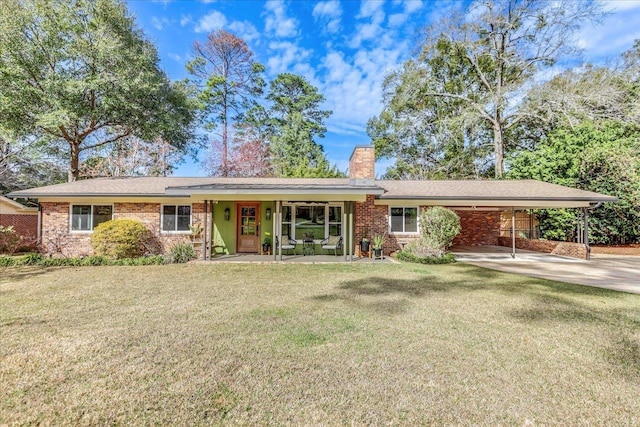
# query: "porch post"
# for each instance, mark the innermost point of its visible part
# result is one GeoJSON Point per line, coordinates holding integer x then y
{"type": "Point", "coordinates": [205, 219]}
{"type": "Point", "coordinates": [344, 230]}
{"type": "Point", "coordinates": [211, 230]}
{"type": "Point", "coordinates": [513, 232]}
{"type": "Point", "coordinates": [280, 231]}
{"type": "Point", "coordinates": [350, 231]}
{"type": "Point", "coordinates": [586, 232]}
{"type": "Point", "coordinates": [275, 221]}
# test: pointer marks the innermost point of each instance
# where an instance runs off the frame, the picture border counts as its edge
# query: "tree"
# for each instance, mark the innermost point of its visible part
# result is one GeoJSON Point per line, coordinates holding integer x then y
{"type": "Point", "coordinates": [132, 157]}
{"type": "Point", "coordinates": [81, 72]}
{"type": "Point", "coordinates": [604, 158]}
{"type": "Point", "coordinates": [486, 62]}
{"type": "Point", "coordinates": [295, 119]}
{"type": "Point", "coordinates": [429, 137]}
{"type": "Point", "coordinates": [229, 79]}
{"type": "Point", "coordinates": [26, 163]}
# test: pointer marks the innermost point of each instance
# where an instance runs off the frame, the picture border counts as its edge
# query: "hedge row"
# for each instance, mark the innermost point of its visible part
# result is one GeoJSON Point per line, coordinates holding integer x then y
{"type": "Point", "coordinates": [39, 260]}
{"type": "Point", "coordinates": [409, 257]}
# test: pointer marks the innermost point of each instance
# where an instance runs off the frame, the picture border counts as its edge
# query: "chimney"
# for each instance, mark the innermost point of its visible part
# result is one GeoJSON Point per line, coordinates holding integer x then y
{"type": "Point", "coordinates": [361, 166]}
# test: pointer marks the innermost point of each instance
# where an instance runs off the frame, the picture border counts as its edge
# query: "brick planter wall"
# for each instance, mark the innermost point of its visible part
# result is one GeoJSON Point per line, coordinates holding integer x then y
{"type": "Point", "coordinates": [570, 249]}
{"type": "Point", "coordinates": [56, 236]}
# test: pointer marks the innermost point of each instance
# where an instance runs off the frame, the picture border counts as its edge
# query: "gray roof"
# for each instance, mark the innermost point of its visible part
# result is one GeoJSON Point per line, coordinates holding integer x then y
{"type": "Point", "coordinates": [527, 189]}
{"type": "Point", "coordinates": [383, 189]}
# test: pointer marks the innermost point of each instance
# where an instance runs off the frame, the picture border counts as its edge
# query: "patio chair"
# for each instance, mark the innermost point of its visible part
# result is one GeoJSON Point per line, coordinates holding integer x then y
{"type": "Point", "coordinates": [288, 245]}
{"type": "Point", "coordinates": [332, 243]}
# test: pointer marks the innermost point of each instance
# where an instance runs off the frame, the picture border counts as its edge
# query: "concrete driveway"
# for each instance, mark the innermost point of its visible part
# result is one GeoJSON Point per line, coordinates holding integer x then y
{"type": "Point", "coordinates": [620, 273]}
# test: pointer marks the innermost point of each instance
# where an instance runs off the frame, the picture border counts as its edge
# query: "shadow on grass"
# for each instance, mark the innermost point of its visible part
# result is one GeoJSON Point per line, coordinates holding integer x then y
{"type": "Point", "coordinates": [18, 274]}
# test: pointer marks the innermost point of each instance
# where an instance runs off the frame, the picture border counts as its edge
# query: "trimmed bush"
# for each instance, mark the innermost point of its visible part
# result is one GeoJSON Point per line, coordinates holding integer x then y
{"type": "Point", "coordinates": [7, 261]}
{"type": "Point", "coordinates": [181, 253]}
{"type": "Point", "coordinates": [409, 257]}
{"type": "Point", "coordinates": [119, 238]}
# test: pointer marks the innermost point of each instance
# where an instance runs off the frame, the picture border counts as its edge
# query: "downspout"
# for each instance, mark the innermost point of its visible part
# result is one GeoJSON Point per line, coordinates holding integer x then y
{"type": "Point", "coordinates": [39, 226]}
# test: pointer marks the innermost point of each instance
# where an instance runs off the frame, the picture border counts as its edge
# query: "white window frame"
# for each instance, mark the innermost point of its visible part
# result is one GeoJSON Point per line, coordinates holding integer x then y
{"type": "Point", "coordinates": [293, 207]}
{"type": "Point", "coordinates": [91, 227]}
{"type": "Point", "coordinates": [403, 223]}
{"type": "Point", "coordinates": [188, 230]}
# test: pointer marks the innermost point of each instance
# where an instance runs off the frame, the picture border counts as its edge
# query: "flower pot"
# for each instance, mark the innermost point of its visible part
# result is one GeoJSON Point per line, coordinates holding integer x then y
{"type": "Point", "coordinates": [364, 245]}
{"type": "Point", "coordinates": [377, 252]}
{"type": "Point", "coordinates": [266, 248]}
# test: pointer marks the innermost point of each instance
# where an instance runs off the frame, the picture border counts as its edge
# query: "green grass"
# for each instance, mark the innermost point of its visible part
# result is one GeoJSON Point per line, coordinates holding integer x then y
{"type": "Point", "coordinates": [313, 344]}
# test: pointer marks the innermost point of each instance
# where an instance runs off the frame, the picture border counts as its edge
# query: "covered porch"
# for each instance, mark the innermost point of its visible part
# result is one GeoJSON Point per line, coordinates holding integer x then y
{"type": "Point", "coordinates": [302, 221]}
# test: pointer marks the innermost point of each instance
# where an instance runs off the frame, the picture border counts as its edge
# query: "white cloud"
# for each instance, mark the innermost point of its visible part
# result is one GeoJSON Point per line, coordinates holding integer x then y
{"type": "Point", "coordinates": [369, 8]}
{"type": "Point", "coordinates": [276, 22]}
{"type": "Point", "coordinates": [175, 57]}
{"type": "Point", "coordinates": [328, 13]}
{"type": "Point", "coordinates": [214, 20]}
{"type": "Point", "coordinates": [288, 57]}
{"type": "Point", "coordinates": [614, 35]}
{"type": "Point", "coordinates": [185, 19]}
{"type": "Point", "coordinates": [245, 30]}
{"type": "Point", "coordinates": [353, 85]}
{"type": "Point", "coordinates": [160, 23]}
{"type": "Point", "coordinates": [409, 7]}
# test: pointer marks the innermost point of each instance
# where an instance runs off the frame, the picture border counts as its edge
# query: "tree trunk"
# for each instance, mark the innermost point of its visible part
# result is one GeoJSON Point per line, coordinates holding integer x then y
{"type": "Point", "coordinates": [498, 147]}
{"type": "Point", "coordinates": [74, 169]}
{"type": "Point", "coordinates": [225, 167]}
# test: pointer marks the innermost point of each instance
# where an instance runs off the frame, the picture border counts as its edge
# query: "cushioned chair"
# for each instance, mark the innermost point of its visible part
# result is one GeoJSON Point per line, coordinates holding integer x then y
{"type": "Point", "coordinates": [332, 243]}
{"type": "Point", "coordinates": [288, 245]}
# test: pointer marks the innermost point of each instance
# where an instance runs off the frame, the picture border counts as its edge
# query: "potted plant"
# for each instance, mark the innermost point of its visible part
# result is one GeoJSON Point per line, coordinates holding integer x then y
{"type": "Point", "coordinates": [266, 243]}
{"type": "Point", "coordinates": [364, 242]}
{"type": "Point", "coordinates": [378, 242]}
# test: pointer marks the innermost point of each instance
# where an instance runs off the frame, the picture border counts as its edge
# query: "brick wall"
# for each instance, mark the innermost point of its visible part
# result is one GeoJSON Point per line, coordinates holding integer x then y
{"type": "Point", "coordinates": [24, 225]}
{"type": "Point", "coordinates": [570, 249]}
{"type": "Point", "coordinates": [57, 238]}
{"type": "Point", "coordinates": [362, 163]}
{"type": "Point", "coordinates": [478, 228]}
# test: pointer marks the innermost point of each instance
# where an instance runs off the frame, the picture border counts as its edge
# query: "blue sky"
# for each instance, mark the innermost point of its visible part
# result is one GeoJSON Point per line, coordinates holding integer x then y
{"type": "Point", "coordinates": [345, 48]}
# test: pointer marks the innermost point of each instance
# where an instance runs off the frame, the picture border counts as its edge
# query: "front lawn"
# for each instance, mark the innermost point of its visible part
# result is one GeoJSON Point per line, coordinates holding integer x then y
{"type": "Point", "coordinates": [313, 344]}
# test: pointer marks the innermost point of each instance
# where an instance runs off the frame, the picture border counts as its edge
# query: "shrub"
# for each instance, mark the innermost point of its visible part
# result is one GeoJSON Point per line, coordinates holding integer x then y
{"type": "Point", "coordinates": [439, 226]}
{"type": "Point", "coordinates": [30, 259]}
{"type": "Point", "coordinates": [9, 240]}
{"type": "Point", "coordinates": [181, 253]}
{"type": "Point", "coordinates": [7, 261]}
{"type": "Point", "coordinates": [409, 257]}
{"type": "Point", "coordinates": [119, 238]}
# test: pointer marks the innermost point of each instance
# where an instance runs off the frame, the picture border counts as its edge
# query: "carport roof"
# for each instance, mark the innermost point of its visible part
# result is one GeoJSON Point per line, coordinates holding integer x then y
{"type": "Point", "coordinates": [495, 190]}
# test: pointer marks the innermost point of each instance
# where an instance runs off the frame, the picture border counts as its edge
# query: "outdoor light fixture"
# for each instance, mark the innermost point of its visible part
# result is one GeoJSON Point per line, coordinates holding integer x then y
{"type": "Point", "coordinates": [267, 214]}
{"type": "Point", "coordinates": [227, 214]}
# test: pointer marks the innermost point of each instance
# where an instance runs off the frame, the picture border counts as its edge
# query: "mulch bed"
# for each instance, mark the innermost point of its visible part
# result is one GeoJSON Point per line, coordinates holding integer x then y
{"type": "Point", "coordinates": [633, 249]}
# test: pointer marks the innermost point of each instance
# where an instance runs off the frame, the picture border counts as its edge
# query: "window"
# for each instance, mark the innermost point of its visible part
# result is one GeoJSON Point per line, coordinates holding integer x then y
{"type": "Point", "coordinates": [403, 220]}
{"type": "Point", "coordinates": [176, 218]}
{"type": "Point", "coordinates": [286, 221]}
{"type": "Point", "coordinates": [87, 217]}
{"type": "Point", "coordinates": [335, 221]}
{"type": "Point", "coordinates": [300, 220]}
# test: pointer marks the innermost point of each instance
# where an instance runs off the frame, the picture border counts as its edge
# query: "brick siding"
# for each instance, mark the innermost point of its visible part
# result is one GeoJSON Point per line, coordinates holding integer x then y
{"type": "Point", "coordinates": [570, 249]}
{"type": "Point", "coordinates": [57, 239]}
{"type": "Point", "coordinates": [477, 227]}
{"type": "Point", "coordinates": [24, 225]}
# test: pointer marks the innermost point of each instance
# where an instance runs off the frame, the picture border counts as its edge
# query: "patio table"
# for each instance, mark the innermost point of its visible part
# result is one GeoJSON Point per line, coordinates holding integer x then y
{"type": "Point", "coordinates": [308, 247]}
